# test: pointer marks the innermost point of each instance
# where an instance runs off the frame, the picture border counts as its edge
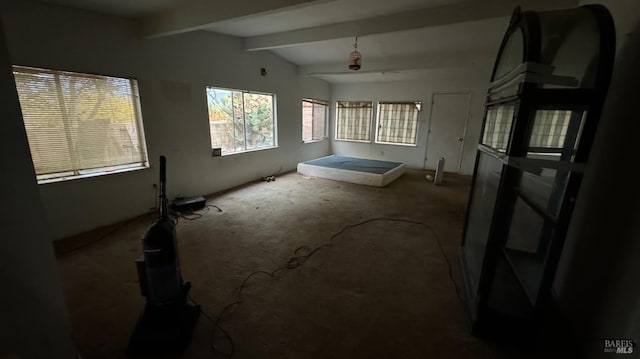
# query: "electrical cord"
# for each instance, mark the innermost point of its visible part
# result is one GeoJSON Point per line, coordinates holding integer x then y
{"type": "Point", "coordinates": [214, 206]}
{"type": "Point", "coordinates": [298, 260]}
{"type": "Point", "coordinates": [215, 326]}
{"type": "Point", "coordinates": [191, 215]}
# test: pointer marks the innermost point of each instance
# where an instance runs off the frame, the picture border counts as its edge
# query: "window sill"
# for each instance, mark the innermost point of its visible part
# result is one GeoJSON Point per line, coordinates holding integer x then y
{"type": "Point", "coordinates": [89, 175]}
{"type": "Point", "coordinates": [315, 141]}
{"type": "Point", "coordinates": [359, 141]}
{"type": "Point", "coordinates": [247, 151]}
{"type": "Point", "coordinates": [397, 144]}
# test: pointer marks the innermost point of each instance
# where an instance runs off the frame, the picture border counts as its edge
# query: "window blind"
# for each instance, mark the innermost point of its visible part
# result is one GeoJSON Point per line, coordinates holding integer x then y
{"type": "Point", "coordinates": [353, 121]}
{"type": "Point", "coordinates": [398, 122]}
{"type": "Point", "coordinates": [79, 123]}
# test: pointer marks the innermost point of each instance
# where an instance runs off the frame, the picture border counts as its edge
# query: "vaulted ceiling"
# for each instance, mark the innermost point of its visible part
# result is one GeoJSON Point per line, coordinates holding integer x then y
{"type": "Point", "coordinates": [398, 39]}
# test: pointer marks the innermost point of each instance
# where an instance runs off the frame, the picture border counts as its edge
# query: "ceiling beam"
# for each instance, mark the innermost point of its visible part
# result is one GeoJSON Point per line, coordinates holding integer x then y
{"type": "Point", "coordinates": [429, 17]}
{"type": "Point", "coordinates": [419, 62]}
{"type": "Point", "coordinates": [202, 14]}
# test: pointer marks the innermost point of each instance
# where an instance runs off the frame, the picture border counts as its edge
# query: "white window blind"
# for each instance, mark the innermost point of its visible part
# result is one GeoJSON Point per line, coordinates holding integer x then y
{"type": "Point", "coordinates": [80, 124]}
{"type": "Point", "coordinates": [398, 122]}
{"type": "Point", "coordinates": [353, 121]}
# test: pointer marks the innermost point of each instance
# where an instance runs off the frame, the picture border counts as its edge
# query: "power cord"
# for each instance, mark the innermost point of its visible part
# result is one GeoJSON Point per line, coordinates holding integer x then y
{"type": "Point", "coordinates": [298, 260]}
{"type": "Point", "coordinates": [215, 326]}
{"type": "Point", "coordinates": [191, 215]}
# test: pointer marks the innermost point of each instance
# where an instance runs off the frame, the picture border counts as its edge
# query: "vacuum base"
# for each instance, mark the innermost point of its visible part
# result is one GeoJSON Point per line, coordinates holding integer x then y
{"type": "Point", "coordinates": [164, 329]}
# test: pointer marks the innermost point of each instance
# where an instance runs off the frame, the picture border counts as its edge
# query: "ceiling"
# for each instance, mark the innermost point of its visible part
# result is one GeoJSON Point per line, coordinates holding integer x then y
{"type": "Point", "coordinates": [323, 13]}
{"type": "Point", "coordinates": [398, 39]}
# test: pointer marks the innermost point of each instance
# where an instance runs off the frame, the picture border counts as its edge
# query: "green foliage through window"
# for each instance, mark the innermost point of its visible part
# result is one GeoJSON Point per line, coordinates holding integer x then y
{"type": "Point", "coordinates": [240, 120]}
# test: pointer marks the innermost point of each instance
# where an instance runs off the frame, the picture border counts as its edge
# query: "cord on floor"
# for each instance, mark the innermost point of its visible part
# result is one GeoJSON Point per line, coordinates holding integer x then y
{"type": "Point", "coordinates": [298, 260]}
{"type": "Point", "coordinates": [191, 215]}
{"type": "Point", "coordinates": [215, 326]}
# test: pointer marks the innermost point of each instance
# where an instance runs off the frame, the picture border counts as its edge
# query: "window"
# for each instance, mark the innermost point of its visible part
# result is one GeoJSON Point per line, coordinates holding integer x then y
{"type": "Point", "coordinates": [497, 126]}
{"type": "Point", "coordinates": [80, 125]}
{"type": "Point", "coordinates": [398, 122]}
{"type": "Point", "coordinates": [314, 120]}
{"type": "Point", "coordinates": [353, 121]}
{"type": "Point", "coordinates": [241, 120]}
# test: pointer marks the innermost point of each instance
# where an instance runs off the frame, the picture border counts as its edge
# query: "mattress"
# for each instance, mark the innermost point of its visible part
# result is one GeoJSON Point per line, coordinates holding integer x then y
{"type": "Point", "coordinates": [353, 170]}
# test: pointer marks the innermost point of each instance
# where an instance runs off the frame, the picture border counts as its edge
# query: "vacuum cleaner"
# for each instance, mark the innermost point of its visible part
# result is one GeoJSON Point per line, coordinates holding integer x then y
{"type": "Point", "coordinates": [169, 318]}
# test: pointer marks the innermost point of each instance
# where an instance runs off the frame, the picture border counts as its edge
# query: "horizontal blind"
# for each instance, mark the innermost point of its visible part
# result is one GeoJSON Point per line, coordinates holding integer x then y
{"type": "Point", "coordinates": [354, 121]}
{"type": "Point", "coordinates": [78, 122]}
{"type": "Point", "coordinates": [398, 122]}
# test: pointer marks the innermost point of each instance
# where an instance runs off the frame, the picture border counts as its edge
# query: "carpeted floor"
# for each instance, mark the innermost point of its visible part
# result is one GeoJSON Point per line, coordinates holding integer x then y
{"type": "Point", "coordinates": [382, 290]}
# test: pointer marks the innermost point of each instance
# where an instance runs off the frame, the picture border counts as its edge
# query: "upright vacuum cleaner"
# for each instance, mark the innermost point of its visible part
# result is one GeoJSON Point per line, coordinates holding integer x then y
{"type": "Point", "coordinates": [168, 319]}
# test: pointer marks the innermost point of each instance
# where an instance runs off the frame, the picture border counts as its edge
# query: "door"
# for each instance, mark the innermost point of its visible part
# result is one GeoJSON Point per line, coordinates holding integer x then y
{"type": "Point", "coordinates": [449, 114]}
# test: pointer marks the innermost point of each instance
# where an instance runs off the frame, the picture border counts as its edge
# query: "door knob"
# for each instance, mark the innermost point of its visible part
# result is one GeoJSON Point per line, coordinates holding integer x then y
{"type": "Point", "coordinates": [460, 138]}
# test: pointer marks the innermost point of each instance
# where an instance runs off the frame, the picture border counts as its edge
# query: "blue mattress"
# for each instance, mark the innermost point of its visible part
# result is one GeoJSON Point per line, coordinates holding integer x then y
{"type": "Point", "coordinates": [355, 164]}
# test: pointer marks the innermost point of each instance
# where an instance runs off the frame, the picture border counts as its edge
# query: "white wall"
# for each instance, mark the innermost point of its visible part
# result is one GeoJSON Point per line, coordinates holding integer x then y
{"type": "Point", "coordinates": [597, 283]}
{"type": "Point", "coordinates": [175, 123]}
{"type": "Point", "coordinates": [33, 318]}
{"type": "Point", "coordinates": [472, 80]}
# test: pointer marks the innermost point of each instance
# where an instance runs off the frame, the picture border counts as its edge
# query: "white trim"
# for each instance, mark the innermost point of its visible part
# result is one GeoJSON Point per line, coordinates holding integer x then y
{"type": "Point", "coordinates": [95, 174]}
{"type": "Point", "coordinates": [274, 111]}
{"type": "Point", "coordinates": [360, 141]}
{"type": "Point", "coordinates": [245, 151]}
{"type": "Point", "coordinates": [315, 141]}
{"type": "Point", "coordinates": [375, 139]}
{"type": "Point", "coordinates": [335, 135]}
{"type": "Point", "coordinates": [398, 144]}
{"type": "Point", "coordinates": [327, 105]}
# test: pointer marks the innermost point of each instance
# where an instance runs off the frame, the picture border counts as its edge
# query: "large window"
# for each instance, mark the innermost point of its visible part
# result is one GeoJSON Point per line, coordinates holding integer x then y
{"type": "Point", "coordinates": [80, 125]}
{"type": "Point", "coordinates": [314, 120]}
{"type": "Point", "coordinates": [398, 122]}
{"type": "Point", "coordinates": [241, 120]}
{"type": "Point", "coordinates": [353, 121]}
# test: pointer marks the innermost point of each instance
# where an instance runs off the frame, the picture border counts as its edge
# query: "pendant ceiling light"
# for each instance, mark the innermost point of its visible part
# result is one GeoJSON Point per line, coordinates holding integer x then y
{"type": "Point", "coordinates": [355, 58]}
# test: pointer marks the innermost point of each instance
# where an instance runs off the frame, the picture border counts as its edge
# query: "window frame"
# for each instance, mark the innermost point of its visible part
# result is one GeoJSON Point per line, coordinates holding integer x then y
{"type": "Point", "coordinates": [327, 106]}
{"type": "Point", "coordinates": [97, 171]}
{"type": "Point", "coordinates": [335, 136]}
{"type": "Point", "coordinates": [417, 128]}
{"type": "Point", "coordinates": [273, 111]}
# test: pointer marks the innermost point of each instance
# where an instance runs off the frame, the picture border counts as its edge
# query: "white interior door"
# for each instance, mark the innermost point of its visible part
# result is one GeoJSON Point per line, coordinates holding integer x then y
{"type": "Point", "coordinates": [449, 114]}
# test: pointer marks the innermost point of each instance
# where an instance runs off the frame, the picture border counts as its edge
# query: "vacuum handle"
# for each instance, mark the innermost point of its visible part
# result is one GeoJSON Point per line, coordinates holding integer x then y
{"type": "Point", "coordinates": [163, 187]}
{"type": "Point", "coordinates": [163, 170]}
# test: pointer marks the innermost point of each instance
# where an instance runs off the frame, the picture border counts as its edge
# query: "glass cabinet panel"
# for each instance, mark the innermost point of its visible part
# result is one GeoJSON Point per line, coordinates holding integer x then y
{"type": "Point", "coordinates": [497, 128]}
{"type": "Point", "coordinates": [571, 44]}
{"type": "Point", "coordinates": [483, 201]}
{"type": "Point", "coordinates": [555, 134]}
{"type": "Point", "coordinates": [546, 92]}
{"type": "Point", "coordinates": [512, 54]}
